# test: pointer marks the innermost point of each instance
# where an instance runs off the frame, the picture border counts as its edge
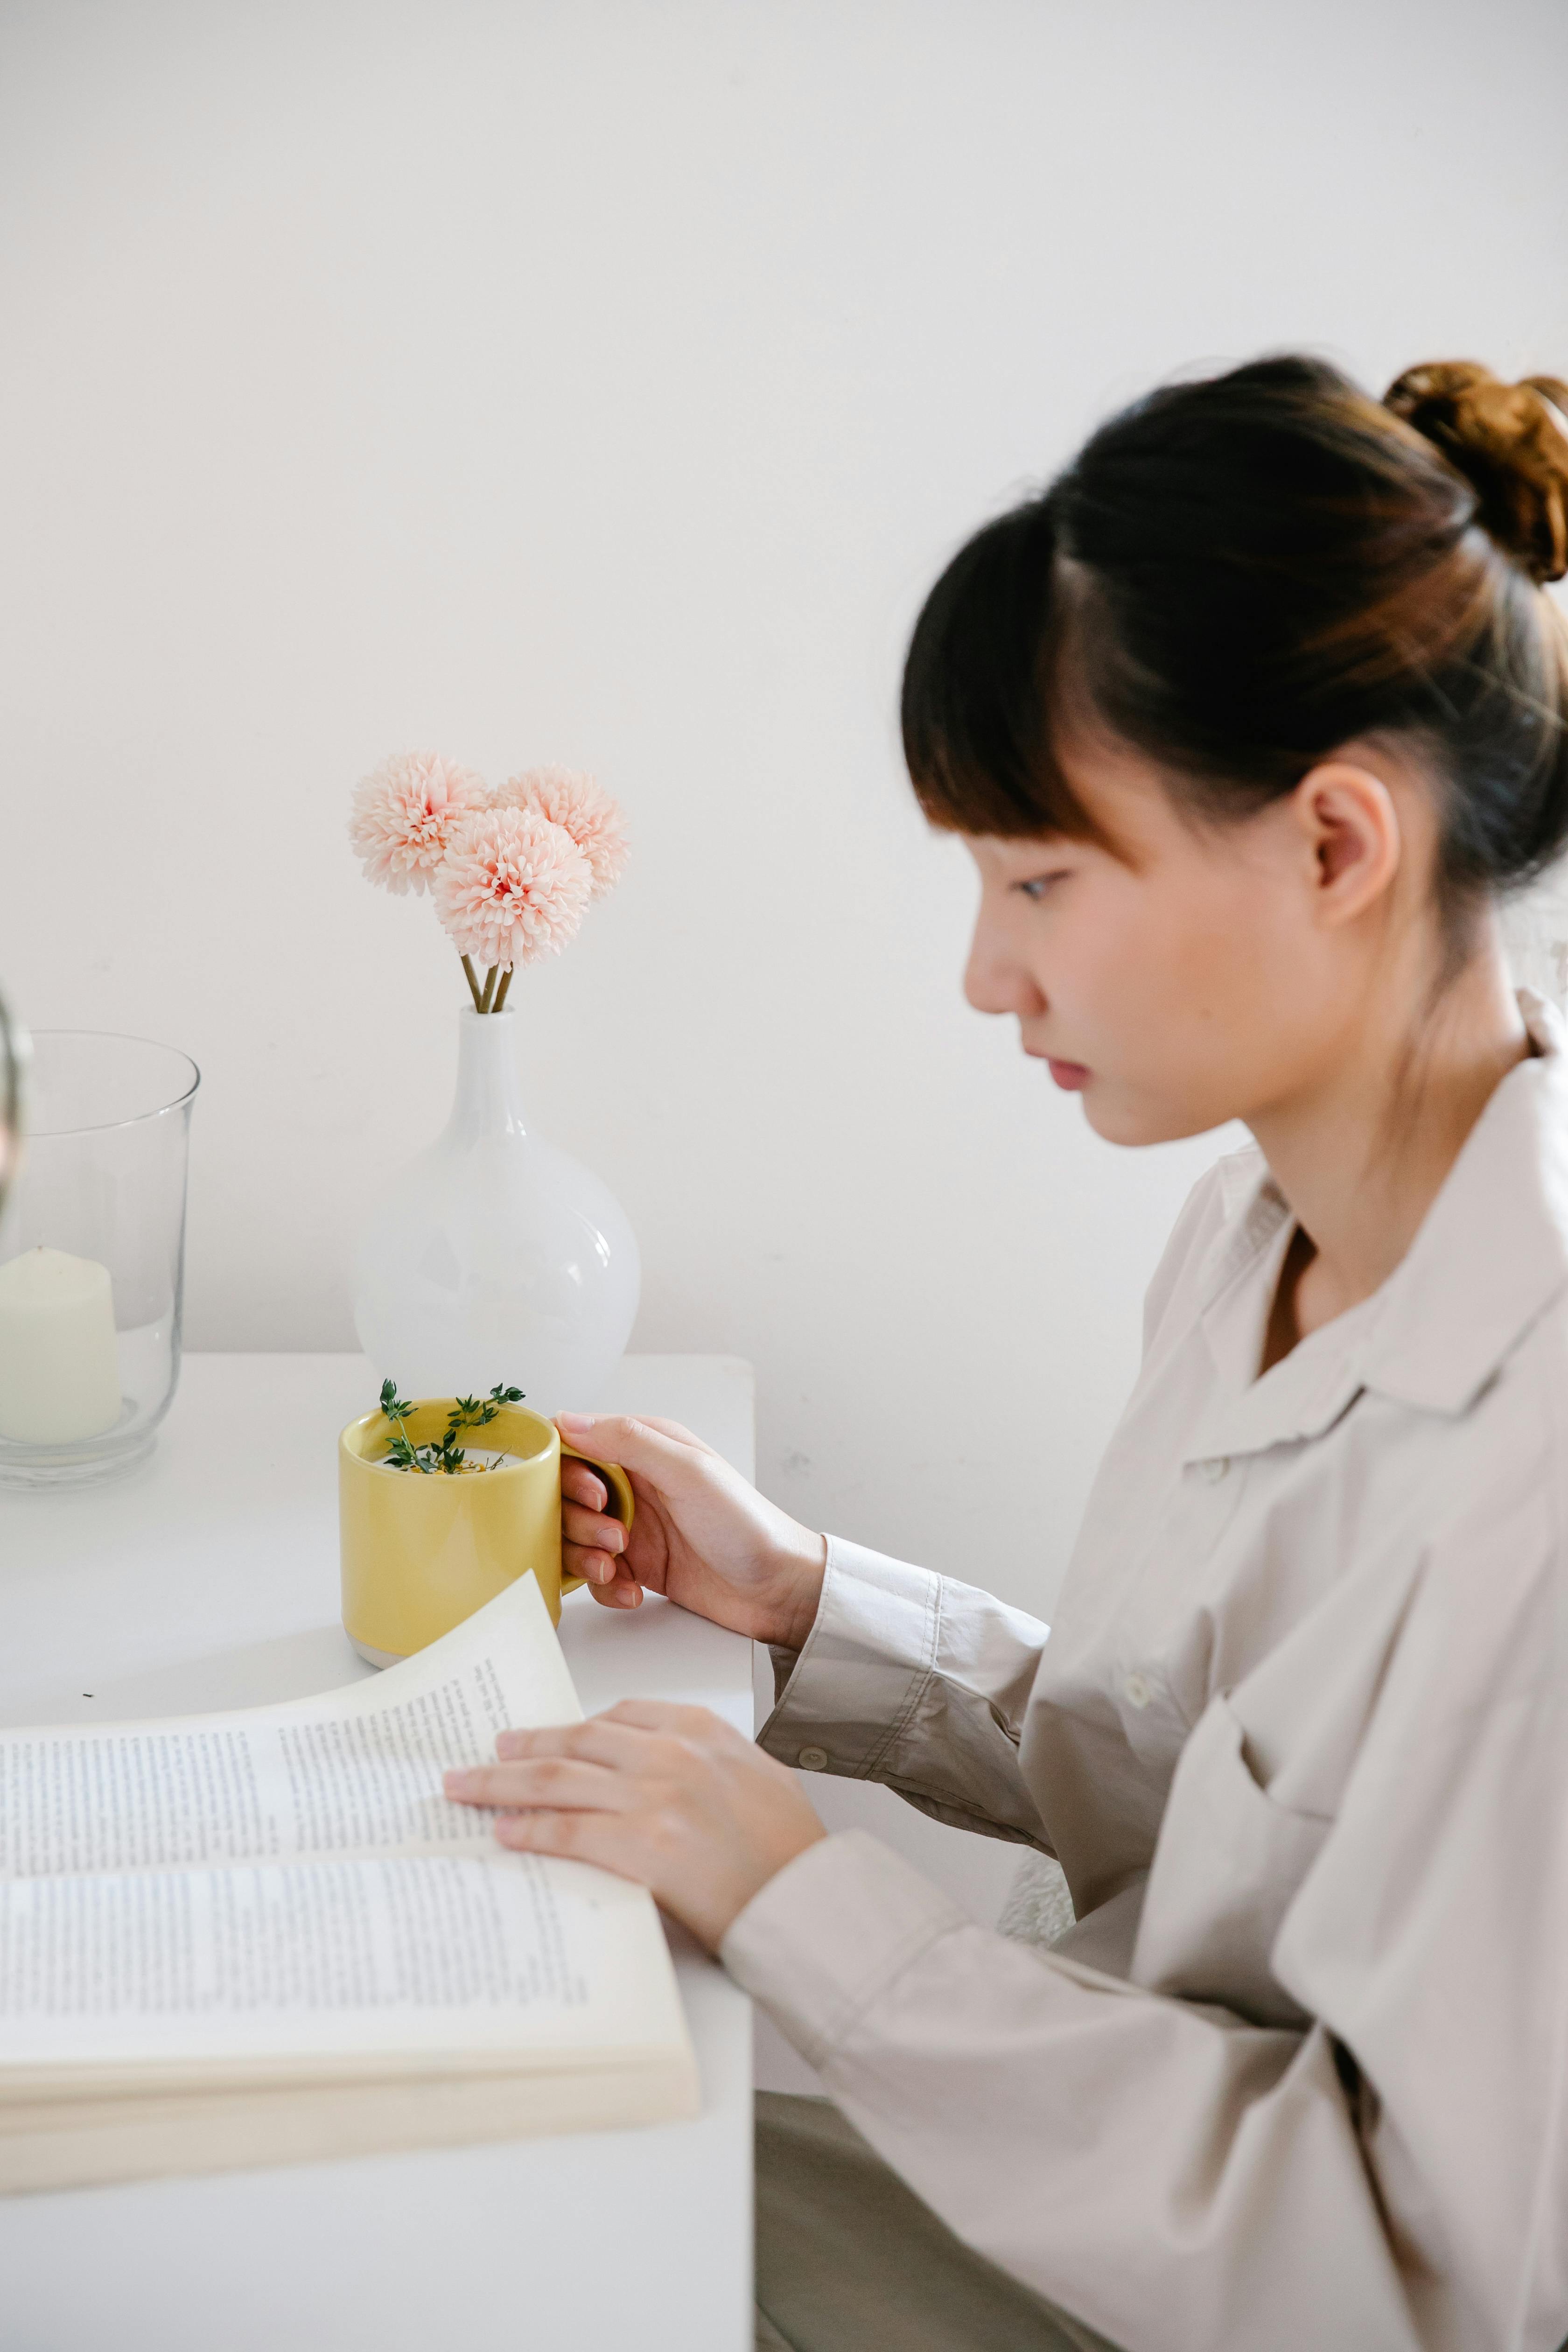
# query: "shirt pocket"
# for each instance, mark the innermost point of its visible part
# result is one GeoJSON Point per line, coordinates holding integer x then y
{"type": "Point", "coordinates": [1226, 1868]}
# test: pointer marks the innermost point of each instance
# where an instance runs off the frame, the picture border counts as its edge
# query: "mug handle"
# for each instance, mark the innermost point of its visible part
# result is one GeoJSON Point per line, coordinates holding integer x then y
{"type": "Point", "coordinates": [621, 1505]}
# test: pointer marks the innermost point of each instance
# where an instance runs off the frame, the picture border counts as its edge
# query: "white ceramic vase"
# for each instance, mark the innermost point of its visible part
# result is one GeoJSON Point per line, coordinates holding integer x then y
{"type": "Point", "coordinates": [492, 1257]}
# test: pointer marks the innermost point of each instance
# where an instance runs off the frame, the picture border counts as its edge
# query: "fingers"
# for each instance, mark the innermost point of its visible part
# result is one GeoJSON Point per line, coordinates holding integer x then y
{"type": "Point", "coordinates": [593, 1530]}
{"type": "Point", "coordinates": [601, 1741]}
{"type": "Point", "coordinates": [696, 1724]}
{"type": "Point", "coordinates": [558, 1783]}
{"type": "Point", "coordinates": [598, 1766]}
{"type": "Point", "coordinates": [592, 1542]}
{"type": "Point", "coordinates": [579, 1483]}
{"type": "Point", "coordinates": [661, 1451]}
{"type": "Point", "coordinates": [598, 1838]}
{"type": "Point", "coordinates": [595, 1568]}
{"type": "Point", "coordinates": [545, 1832]}
{"type": "Point", "coordinates": [610, 1581]}
{"type": "Point", "coordinates": [668, 1796]}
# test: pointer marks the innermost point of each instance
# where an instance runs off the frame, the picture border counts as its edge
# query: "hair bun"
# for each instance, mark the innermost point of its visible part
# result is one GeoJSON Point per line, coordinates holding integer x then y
{"type": "Point", "coordinates": [1510, 443]}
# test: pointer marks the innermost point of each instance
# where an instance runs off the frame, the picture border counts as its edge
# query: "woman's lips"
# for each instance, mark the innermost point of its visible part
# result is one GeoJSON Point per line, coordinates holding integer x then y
{"type": "Point", "coordinates": [1073, 1076]}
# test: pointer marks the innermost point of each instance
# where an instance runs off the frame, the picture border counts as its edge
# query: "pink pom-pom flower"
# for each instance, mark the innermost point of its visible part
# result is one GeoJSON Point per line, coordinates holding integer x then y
{"type": "Point", "coordinates": [583, 808]}
{"type": "Point", "coordinates": [403, 815]}
{"type": "Point", "coordinates": [512, 887]}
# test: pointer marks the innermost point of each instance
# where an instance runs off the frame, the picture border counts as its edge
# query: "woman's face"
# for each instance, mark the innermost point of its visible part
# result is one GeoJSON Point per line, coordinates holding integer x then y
{"type": "Point", "coordinates": [1209, 971]}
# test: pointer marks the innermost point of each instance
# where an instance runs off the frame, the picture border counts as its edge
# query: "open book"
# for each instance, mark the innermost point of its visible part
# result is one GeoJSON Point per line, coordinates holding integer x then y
{"type": "Point", "coordinates": [266, 1936]}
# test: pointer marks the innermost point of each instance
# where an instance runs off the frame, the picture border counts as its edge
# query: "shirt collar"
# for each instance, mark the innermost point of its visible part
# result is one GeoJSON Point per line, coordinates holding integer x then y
{"type": "Point", "coordinates": [1491, 1253]}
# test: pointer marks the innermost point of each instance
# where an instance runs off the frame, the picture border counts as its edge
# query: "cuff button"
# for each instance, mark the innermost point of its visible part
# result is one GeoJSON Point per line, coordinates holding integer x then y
{"type": "Point", "coordinates": [813, 1759]}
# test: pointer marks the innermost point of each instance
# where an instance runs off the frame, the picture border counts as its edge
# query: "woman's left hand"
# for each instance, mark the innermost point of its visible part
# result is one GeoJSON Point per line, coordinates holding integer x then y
{"type": "Point", "coordinates": [671, 1796]}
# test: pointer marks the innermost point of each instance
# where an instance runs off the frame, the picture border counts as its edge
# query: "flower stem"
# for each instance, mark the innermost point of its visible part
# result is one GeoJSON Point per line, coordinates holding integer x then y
{"type": "Point", "coordinates": [401, 1426]}
{"type": "Point", "coordinates": [506, 983]}
{"type": "Point", "coordinates": [473, 985]}
{"type": "Point", "coordinates": [490, 988]}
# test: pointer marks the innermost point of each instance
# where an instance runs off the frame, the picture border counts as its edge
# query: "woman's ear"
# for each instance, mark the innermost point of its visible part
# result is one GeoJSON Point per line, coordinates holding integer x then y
{"type": "Point", "coordinates": [1349, 830]}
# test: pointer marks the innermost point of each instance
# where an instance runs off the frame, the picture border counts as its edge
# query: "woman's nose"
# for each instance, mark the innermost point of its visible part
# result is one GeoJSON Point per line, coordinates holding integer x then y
{"type": "Point", "coordinates": [993, 978]}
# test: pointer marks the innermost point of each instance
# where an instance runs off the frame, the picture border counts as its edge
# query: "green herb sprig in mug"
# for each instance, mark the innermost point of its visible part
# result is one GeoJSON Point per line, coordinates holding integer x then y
{"type": "Point", "coordinates": [446, 1457]}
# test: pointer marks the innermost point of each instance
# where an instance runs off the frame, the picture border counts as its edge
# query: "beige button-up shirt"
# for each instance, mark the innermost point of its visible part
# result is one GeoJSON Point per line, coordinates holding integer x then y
{"type": "Point", "coordinates": [1297, 2080]}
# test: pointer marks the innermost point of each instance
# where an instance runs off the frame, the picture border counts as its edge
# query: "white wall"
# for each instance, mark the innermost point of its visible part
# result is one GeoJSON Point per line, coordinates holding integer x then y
{"type": "Point", "coordinates": [605, 381]}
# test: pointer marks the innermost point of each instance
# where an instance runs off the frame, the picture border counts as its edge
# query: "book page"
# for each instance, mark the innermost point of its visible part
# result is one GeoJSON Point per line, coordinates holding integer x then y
{"type": "Point", "coordinates": [412, 1953]}
{"type": "Point", "coordinates": [356, 1772]}
{"type": "Point", "coordinates": [291, 1880]}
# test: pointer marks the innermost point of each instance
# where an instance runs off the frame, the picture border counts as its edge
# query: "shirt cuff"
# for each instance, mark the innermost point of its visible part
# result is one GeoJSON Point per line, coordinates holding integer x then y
{"type": "Point", "coordinates": [861, 1670]}
{"type": "Point", "coordinates": [829, 1932]}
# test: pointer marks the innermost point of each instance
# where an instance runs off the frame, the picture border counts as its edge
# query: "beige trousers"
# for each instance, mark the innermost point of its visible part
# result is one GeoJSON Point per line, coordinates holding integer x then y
{"type": "Point", "coordinates": [848, 2260]}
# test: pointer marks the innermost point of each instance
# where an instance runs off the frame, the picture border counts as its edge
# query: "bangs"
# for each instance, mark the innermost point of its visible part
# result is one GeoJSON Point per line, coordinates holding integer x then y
{"type": "Point", "coordinates": [978, 738]}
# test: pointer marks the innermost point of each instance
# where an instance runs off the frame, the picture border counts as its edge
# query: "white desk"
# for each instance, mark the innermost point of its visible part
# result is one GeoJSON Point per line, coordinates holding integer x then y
{"type": "Point", "coordinates": [207, 1578]}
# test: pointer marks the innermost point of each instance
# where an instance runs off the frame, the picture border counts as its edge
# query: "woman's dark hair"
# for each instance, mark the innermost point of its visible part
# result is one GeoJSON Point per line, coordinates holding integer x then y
{"type": "Point", "coordinates": [1236, 576]}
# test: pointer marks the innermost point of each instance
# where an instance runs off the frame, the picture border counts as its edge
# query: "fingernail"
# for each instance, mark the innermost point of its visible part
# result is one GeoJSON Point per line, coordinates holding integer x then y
{"type": "Point", "coordinates": [457, 1784]}
{"type": "Point", "coordinates": [509, 1743]}
{"type": "Point", "coordinates": [576, 1422]}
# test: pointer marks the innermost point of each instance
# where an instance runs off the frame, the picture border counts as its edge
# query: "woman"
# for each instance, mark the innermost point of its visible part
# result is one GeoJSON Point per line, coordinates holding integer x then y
{"type": "Point", "coordinates": [1246, 721]}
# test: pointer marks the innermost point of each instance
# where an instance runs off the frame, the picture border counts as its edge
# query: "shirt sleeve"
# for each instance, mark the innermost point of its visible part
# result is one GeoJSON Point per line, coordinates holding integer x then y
{"type": "Point", "coordinates": [1171, 2175]}
{"type": "Point", "coordinates": [921, 1682]}
{"type": "Point", "coordinates": [916, 1680]}
{"type": "Point", "coordinates": [1390, 2172]}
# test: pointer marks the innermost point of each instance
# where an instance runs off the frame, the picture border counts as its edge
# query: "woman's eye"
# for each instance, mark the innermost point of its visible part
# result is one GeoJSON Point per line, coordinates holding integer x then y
{"type": "Point", "coordinates": [1038, 885]}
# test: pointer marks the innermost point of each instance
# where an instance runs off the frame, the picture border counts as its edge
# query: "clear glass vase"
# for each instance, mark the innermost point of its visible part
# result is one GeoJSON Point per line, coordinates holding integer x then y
{"type": "Point", "coordinates": [15, 1051]}
{"type": "Point", "coordinates": [93, 1256]}
{"type": "Point", "coordinates": [493, 1258]}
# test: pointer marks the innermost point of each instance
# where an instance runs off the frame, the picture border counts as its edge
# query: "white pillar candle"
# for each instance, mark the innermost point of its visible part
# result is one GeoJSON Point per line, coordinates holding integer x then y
{"type": "Point", "coordinates": [60, 1374]}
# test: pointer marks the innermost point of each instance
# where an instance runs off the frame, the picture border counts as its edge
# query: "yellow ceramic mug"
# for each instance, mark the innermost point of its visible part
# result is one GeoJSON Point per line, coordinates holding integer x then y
{"type": "Point", "coordinates": [420, 1554]}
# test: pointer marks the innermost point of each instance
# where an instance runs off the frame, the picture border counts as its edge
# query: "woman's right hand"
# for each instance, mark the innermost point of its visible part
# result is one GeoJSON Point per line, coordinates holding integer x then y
{"type": "Point", "coordinates": [701, 1536]}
